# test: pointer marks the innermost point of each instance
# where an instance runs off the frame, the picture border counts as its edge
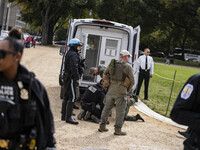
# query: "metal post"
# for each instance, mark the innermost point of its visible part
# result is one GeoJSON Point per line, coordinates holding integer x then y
{"type": "Point", "coordinates": [1, 12]}
{"type": "Point", "coordinates": [2, 15]}
{"type": "Point", "coordinates": [8, 17]}
{"type": "Point", "coordinates": [171, 93]}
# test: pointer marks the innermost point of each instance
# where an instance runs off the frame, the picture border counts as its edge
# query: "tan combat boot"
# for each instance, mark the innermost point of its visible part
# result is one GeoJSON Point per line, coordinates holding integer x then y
{"type": "Point", "coordinates": [102, 128]}
{"type": "Point", "coordinates": [119, 132]}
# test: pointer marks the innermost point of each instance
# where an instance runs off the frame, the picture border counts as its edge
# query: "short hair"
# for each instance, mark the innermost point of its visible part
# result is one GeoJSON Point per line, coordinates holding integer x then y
{"type": "Point", "coordinates": [15, 33]}
{"type": "Point", "coordinates": [92, 70]}
{"type": "Point", "coordinates": [15, 40]}
{"type": "Point", "coordinates": [15, 44]}
{"type": "Point", "coordinates": [146, 49]}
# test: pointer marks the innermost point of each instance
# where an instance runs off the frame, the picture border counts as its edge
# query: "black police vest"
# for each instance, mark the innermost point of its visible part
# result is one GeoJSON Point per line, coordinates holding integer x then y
{"type": "Point", "coordinates": [93, 94]}
{"type": "Point", "coordinates": [18, 110]}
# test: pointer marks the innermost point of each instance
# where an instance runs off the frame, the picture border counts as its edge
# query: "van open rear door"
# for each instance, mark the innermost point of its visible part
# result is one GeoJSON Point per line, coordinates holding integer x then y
{"type": "Point", "coordinates": [135, 53]}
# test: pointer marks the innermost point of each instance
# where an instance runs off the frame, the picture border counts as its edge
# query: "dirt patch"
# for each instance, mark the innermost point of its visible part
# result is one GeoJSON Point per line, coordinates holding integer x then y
{"type": "Point", "coordinates": [149, 135]}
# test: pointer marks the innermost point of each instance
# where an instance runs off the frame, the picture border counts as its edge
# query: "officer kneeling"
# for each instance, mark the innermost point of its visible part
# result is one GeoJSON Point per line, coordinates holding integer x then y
{"type": "Point", "coordinates": [26, 121]}
{"type": "Point", "coordinates": [92, 102]}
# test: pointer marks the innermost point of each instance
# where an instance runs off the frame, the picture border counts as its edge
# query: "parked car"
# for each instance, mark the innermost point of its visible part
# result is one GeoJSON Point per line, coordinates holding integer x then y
{"type": "Point", "coordinates": [158, 54]}
{"type": "Point", "coordinates": [60, 42]}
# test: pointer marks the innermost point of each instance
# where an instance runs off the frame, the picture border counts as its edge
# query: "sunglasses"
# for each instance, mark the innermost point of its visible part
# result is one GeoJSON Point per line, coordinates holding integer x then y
{"type": "Point", "coordinates": [3, 53]}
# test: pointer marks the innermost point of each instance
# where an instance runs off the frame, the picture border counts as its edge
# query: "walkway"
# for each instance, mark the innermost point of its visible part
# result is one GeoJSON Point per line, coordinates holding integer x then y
{"type": "Point", "coordinates": [146, 110]}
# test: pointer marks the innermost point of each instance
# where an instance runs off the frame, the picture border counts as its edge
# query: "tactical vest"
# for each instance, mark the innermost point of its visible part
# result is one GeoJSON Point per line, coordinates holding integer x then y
{"type": "Point", "coordinates": [118, 74]}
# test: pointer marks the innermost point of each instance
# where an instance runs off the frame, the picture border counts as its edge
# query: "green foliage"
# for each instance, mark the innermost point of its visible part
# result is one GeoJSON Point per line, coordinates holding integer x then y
{"type": "Point", "coordinates": [51, 14]}
{"type": "Point", "coordinates": [165, 24]}
{"type": "Point", "coordinates": [61, 34]}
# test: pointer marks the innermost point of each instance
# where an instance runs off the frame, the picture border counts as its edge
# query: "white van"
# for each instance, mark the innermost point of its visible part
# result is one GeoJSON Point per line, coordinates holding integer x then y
{"type": "Point", "coordinates": [103, 40]}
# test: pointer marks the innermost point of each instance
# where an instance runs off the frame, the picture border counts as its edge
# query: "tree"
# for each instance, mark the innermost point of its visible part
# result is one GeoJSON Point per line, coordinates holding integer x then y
{"type": "Point", "coordinates": [184, 21]}
{"type": "Point", "coordinates": [47, 13]}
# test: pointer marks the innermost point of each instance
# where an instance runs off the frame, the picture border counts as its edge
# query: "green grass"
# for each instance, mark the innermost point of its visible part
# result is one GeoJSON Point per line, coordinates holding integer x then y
{"type": "Point", "coordinates": [159, 88]}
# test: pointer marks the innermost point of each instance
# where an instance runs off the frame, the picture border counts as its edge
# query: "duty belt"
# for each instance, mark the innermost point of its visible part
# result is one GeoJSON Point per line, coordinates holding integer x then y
{"type": "Point", "coordinates": [4, 144]}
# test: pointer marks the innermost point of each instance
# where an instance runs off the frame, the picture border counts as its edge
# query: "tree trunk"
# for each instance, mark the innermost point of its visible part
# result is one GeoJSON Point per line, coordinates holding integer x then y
{"type": "Point", "coordinates": [50, 34]}
{"type": "Point", "coordinates": [44, 31]}
{"type": "Point", "coordinates": [45, 25]}
{"type": "Point", "coordinates": [183, 44]}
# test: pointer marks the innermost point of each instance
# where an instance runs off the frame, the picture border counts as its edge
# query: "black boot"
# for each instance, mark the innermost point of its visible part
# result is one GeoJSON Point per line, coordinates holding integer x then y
{"type": "Point", "coordinates": [75, 107]}
{"type": "Point", "coordinates": [63, 110]}
{"type": "Point", "coordinates": [138, 117]}
{"type": "Point", "coordinates": [185, 134]}
{"type": "Point", "coordinates": [69, 110]}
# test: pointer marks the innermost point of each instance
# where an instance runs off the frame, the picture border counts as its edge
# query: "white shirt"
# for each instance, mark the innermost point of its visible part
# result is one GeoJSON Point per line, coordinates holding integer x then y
{"type": "Point", "coordinates": [142, 62]}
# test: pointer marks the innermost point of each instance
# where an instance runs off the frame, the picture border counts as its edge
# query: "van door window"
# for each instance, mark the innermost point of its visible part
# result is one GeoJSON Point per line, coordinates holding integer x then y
{"type": "Point", "coordinates": [111, 47]}
{"type": "Point", "coordinates": [91, 56]}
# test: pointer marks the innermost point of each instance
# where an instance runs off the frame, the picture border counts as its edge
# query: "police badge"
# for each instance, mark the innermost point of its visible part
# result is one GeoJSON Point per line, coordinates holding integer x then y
{"type": "Point", "coordinates": [23, 91]}
{"type": "Point", "coordinates": [24, 94]}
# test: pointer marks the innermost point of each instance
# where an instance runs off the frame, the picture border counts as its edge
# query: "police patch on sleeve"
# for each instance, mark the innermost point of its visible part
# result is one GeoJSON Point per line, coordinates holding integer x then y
{"type": "Point", "coordinates": [187, 91]}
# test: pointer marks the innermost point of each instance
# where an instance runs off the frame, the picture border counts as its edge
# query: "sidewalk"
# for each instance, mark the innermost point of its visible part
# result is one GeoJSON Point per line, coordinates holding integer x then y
{"type": "Point", "coordinates": [146, 110]}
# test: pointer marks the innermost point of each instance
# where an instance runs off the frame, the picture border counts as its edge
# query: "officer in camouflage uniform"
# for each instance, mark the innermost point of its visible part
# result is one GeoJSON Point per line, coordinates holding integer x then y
{"type": "Point", "coordinates": [117, 70]}
{"type": "Point", "coordinates": [131, 101]}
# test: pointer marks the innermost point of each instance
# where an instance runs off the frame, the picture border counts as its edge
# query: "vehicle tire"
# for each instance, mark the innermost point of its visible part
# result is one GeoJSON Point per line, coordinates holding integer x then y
{"type": "Point", "coordinates": [61, 92]}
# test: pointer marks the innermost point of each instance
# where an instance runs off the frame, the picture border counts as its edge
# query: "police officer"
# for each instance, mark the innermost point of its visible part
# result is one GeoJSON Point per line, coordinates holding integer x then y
{"type": "Point", "coordinates": [71, 79]}
{"type": "Point", "coordinates": [186, 111]}
{"type": "Point", "coordinates": [117, 70]}
{"type": "Point", "coordinates": [26, 121]}
{"type": "Point", "coordinates": [92, 101]}
{"type": "Point", "coordinates": [145, 66]}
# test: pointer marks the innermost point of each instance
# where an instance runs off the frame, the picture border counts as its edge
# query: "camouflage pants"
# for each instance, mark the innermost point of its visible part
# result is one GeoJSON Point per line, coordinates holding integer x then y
{"type": "Point", "coordinates": [109, 101]}
{"type": "Point", "coordinates": [130, 102]}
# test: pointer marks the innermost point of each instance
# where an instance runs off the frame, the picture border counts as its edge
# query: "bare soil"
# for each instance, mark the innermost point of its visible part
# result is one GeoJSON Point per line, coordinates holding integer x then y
{"type": "Point", "coordinates": [149, 135]}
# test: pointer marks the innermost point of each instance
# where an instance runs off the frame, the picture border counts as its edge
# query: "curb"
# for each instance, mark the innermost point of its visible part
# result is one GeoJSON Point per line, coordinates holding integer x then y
{"type": "Point", "coordinates": [146, 110]}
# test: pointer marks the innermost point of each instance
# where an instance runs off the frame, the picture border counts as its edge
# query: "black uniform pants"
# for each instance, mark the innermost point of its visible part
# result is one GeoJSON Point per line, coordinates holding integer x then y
{"type": "Point", "coordinates": [143, 75]}
{"type": "Point", "coordinates": [70, 90]}
{"type": "Point", "coordinates": [92, 108]}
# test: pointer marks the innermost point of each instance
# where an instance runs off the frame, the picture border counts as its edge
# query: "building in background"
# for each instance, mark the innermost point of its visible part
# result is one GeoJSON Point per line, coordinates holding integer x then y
{"type": "Point", "coordinates": [9, 16]}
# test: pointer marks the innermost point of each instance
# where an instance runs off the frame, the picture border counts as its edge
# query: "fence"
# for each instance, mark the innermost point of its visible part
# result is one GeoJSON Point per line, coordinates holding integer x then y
{"type": "Point", "coordinates": [161, 94]}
